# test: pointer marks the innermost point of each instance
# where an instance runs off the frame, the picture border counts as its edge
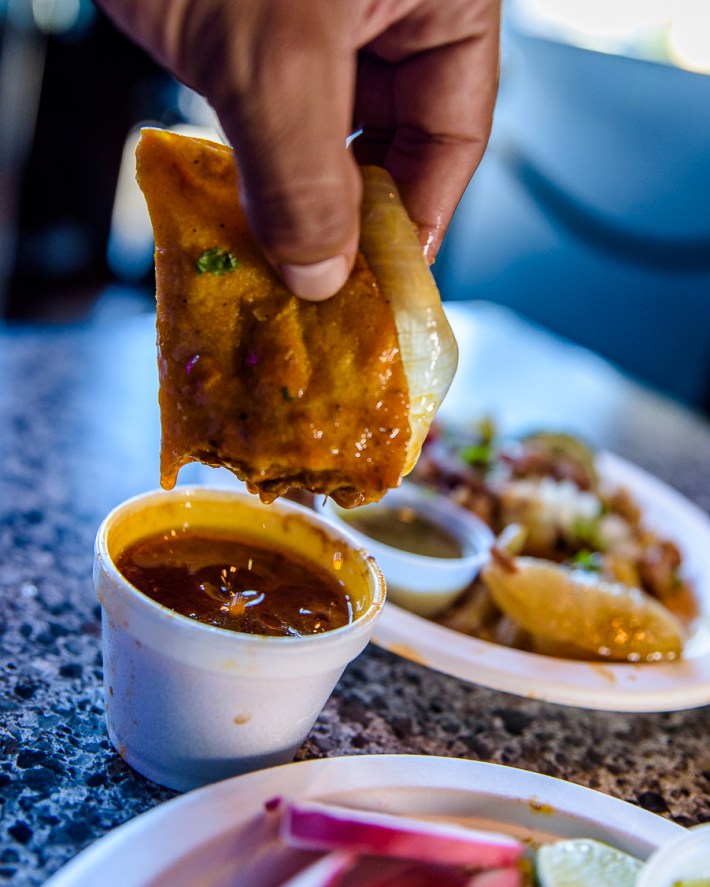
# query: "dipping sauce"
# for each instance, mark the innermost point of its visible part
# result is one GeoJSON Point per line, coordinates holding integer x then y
{"type": "Point", "coordinates": [235, 583]}
{"type": "Point", "coordinates": [407, 529]}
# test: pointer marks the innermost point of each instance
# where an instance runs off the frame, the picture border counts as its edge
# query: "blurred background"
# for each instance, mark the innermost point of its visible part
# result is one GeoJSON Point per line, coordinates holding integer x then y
{"type": "Point", "coordinates": [589, 214]}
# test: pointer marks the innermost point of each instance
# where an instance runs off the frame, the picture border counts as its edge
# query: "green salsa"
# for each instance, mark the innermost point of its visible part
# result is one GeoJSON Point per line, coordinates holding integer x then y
{"type": "Point", "coordinates": [405, 528]}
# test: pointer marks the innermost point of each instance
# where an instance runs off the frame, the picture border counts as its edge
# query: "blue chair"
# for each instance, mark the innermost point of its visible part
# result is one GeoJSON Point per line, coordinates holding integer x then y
{"type": "Point", "coordinates": [590, 213]}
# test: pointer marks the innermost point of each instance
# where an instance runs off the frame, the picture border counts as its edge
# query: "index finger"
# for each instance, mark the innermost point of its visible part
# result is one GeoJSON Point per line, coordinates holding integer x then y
{"type": "Point", "coordinates": [428, 123]}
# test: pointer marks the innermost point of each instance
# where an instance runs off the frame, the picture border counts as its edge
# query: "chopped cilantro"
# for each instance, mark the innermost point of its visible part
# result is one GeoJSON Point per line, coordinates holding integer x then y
{"type": "Point", "coordinates": [586, 531]}
{"type": "Point", "coordinates": [587, 560]}
{"type": "Point", "coordinates": [216, 261]}
{"type": "Point", "coordinates": [286, 394]}
{"type": "Point", "coordinates": [477, 454]}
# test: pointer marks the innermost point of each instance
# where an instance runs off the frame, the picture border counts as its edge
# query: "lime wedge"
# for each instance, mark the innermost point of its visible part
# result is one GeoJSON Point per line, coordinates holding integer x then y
{"type": "Point", "coordinates": [585, 863]}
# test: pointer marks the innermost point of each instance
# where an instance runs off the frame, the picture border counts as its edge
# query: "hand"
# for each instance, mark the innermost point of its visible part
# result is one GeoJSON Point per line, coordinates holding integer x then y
{"type": "Point", "coordinates": [290, 79]}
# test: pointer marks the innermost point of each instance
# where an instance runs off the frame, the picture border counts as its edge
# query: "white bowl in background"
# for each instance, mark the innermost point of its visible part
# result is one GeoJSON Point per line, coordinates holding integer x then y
{"type": "Point", "coordinates": [423, 584]}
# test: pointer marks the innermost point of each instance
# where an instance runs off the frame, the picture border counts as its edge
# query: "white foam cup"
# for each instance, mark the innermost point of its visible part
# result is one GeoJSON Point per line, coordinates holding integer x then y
{"type": "Point", "coordinates": [189, 703]}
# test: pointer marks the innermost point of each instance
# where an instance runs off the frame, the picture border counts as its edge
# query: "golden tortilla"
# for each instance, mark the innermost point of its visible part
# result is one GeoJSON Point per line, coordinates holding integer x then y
{"type": "Point", "coordinates": [285, 393]}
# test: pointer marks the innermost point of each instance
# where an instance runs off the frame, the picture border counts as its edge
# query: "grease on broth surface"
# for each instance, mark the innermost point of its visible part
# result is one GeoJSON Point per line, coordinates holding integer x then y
{"type": "Point", "coordinates": [236, 583]}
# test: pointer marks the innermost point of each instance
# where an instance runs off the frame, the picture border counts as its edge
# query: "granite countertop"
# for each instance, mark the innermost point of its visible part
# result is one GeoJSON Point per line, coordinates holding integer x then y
{"type": "Point", "coordinates": [79, 433]}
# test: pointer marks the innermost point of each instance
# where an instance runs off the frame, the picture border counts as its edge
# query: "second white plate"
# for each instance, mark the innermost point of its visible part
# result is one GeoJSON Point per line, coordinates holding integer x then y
{"type": "Point", "coordinates": [218, 836]}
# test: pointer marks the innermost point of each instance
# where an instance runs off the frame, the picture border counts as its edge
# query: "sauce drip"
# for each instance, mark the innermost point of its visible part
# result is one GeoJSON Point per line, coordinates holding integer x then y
{"type": "Point", "coordinates": [235, 583]}
{"type": "Point", "coordinates": [406, 529]}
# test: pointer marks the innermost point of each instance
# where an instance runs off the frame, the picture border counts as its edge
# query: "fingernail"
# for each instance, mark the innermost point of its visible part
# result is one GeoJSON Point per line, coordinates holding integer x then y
{"type": "Point", "coordinates": [318, 281]}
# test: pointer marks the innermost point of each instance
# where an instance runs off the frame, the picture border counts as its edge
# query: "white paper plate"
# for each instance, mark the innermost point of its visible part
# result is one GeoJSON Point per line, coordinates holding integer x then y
{"type": "Point", "coordinates": [612, 687]}
{"type": "Point", "coordinates": [217, 837]}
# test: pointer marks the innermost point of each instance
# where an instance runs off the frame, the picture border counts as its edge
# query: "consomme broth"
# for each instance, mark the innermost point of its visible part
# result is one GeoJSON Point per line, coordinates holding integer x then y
{"type": "Point", "coordinates": [405, 528]}
{"type": "Point", "coordinates": [236, 583]}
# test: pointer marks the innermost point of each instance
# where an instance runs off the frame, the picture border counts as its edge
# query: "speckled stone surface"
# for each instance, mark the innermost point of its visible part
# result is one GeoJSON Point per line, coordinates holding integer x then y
{"type": "Point", "coordinates": [79, 433]}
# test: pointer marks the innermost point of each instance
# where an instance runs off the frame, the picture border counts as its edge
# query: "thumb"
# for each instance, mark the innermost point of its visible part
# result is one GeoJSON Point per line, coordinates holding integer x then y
{"type": "Point", "coordinates": [305, 217]}
{"type": "Point", "coordinates": [287, 113]}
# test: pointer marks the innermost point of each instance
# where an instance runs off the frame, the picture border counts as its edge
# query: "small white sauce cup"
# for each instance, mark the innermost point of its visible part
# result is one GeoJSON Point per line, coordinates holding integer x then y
{"type": "Point", "coordinates": [189, 703]}
{"type": "Point", "coordinates": [685, 858]}
{"type": "Point", "coordinates": [422, 584]}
